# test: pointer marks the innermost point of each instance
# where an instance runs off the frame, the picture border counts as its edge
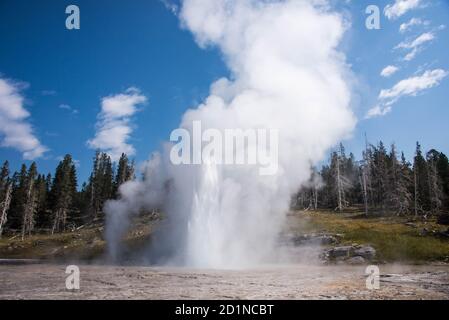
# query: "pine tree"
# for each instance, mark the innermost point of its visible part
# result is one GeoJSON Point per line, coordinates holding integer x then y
{"type": "Point", "coordinates": [15, 215]}
{"type": "Point", "coordinates": [421, 185]}
{"type": "Point", "coordinates": [125, 172]}
{"type": "Point", "coordinates": [399, 196]}
{"type": "Point", "coordinates": [63, 192]}
{"type": "Point", "coordinates": [379, 169]}
{"type": "Point", "coordinates": [443, 171]}
{"type": "Point", "coordinates": [42, 200]}
{"type": "Point", "coordinates": [101, 184]}
{"type": "Point", "coordinates": [433, 178]}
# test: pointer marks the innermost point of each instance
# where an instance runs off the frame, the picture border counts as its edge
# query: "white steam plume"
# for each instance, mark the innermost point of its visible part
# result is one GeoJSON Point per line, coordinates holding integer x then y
{"type": "Point", "coordinates": [286, 74]}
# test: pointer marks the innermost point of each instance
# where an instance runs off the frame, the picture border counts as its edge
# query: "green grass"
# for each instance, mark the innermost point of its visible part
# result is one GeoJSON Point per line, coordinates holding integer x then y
{"type": "Point", "coordinates": [84, 244]}
{"type": "Point", "coordinates": [393, 240]}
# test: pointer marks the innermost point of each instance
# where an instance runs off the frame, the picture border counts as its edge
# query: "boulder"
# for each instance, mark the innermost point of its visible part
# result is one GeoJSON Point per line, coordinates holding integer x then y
{"type": "Point", "coordinates": [354, 254]}
{"type": "Point", "coordinates": [338, 252]}
{"type": "Point", "coordinates": [366, 252]}
{"type": "Point", "coordinates": [307, 239]}
{"type": "Point", "coordinates": [356, 260]}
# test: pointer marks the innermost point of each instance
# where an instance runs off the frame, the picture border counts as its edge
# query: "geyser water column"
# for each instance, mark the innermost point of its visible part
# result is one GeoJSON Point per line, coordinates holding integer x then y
{"type": "Point", "coordinates": [205, 241]}
{"type": "Point", "coordinates": [287, 73]}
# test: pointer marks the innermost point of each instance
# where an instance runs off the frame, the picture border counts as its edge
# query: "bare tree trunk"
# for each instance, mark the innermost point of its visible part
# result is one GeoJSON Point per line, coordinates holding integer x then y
{"type": "Point", "coordinates": [416, 192]}
{"type": "Point", "coordinates": [55, 222]}
{"type": "Point", "coordinates": [339, 186]}
{"type": "Point", "coordinates": [28, 214]}
{"type": "Point", "coordinates": [435, 190]}
{"type": "Point", "coordinates": [365, 193]}
{"type": "Point", "coordinates": [5, 207]}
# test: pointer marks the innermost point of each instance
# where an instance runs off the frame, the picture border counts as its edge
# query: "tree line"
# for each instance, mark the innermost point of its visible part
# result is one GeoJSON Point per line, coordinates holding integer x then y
{"type": "Point", "coordinates": [31, 201]}
{"type": "Point", "coordinates": [383, 181]}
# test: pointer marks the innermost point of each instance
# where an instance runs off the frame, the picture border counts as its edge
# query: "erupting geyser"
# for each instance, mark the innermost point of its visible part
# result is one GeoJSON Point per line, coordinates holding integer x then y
{"type": "Point", "coordinates": [286, 74]}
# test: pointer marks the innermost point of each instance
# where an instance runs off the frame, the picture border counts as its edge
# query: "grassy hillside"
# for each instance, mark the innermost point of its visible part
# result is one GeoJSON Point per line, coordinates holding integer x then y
{"type": "Point", "coordinates": [86, 243]}
{"type": "Point", "coordinates": [396, 239]}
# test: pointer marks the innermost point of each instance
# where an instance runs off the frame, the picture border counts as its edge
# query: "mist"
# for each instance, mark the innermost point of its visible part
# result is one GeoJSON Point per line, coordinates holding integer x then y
{"type": "Point", "coordinates": [287, 73]}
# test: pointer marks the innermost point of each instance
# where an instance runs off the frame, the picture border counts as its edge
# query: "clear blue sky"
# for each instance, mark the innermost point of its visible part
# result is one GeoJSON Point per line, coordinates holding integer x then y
{"type": "Point", "coordinates": [123, 44]}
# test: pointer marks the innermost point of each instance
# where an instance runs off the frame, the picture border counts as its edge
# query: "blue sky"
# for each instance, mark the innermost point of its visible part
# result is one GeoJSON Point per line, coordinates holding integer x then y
{"type": "Point", "coordinates": [63, 75]}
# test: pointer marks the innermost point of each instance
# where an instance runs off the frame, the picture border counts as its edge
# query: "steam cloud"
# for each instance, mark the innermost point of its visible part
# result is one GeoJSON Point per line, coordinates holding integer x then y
{"type": "Point", "coordinates": [286, 74]}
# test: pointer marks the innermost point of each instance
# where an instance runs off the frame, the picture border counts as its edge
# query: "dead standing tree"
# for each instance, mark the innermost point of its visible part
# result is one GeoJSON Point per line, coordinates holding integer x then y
{"type": "Point", "coordinates": [342, 183]}
{"type": "Point", "coordinates": [30, 206]}
{"type": "Point", "coordinates": [4, 207]}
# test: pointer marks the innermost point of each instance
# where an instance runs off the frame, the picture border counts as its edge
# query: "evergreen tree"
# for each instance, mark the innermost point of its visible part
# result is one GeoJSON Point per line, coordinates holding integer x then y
{"type": "Point", "coordinates": [421, 184]}
{"type": "Point", "coordinates": [443, 171]}
{"type": "Point", "coordinates": [435, 184]}
{"type": "Point", "coordinates": [101, 184]}
{"type": "Point", "coordinates": [42, 200]}
{"type": "Point", "coordinates": [379, 169]}
{"type": "Point", "coordinates": [63, 192]}
{"type": "Point", "coordinates": [125, 172]}
{"type": "Point", "coordinates": [15, 216]}
{"type": "Point", "coordinates": [399, 196]}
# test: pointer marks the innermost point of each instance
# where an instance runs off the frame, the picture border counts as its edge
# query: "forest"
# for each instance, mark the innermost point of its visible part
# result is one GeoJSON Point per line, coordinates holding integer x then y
{"type": "Point", "coordinates": [383, 181]}
{"type": "Point", "coordinates": [34, 202]}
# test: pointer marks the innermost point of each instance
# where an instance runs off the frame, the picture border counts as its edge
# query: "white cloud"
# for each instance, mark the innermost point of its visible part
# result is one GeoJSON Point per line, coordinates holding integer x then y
{"type": "Point", "coordinates": [404, 27]}
{"type": "Point", "coordinates": [425, 37]}
{"type": "Point", "coordinates": [408, 87]}
{"type": "Point", "coordinates": [412, 86]}
{"type": "Point", "coordinates": [400, 7]}
{"type": "Point", "coordinates": [15, 131]}
{"type": "Point", "coordinates": [416, 45]}
{"type": "Point", "coordinates": [378, 111]}
{"type": "Point", "coordinates": [69, 108]}
{"type": "Point", "coordinates": [389, 71]}
{"type": "Point", "coordinates": [173, 7]}
{"type": "Point", "coordinates": [114, 123]}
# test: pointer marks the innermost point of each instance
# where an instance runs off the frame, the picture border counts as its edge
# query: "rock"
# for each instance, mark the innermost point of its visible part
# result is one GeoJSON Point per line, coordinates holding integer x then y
{"type": "Point", "coordinates": [356, 260]}
{"type": "Point", "coordinates": [354, 254]}
{"type": "Point", "coordinates": [328, 239]}
{"type": "Point", "coordinates": [313, 238]}
{"type": "Point", "coordinates": [366, 252]}
{"type": "Point", "coordinates": [337, 252]}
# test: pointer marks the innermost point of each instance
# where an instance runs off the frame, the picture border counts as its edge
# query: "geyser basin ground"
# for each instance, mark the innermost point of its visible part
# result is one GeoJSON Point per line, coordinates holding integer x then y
{"type": "Point", "coordinates": [41, 281]}
{"type": "Point", "coordinates": [394, 239]}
